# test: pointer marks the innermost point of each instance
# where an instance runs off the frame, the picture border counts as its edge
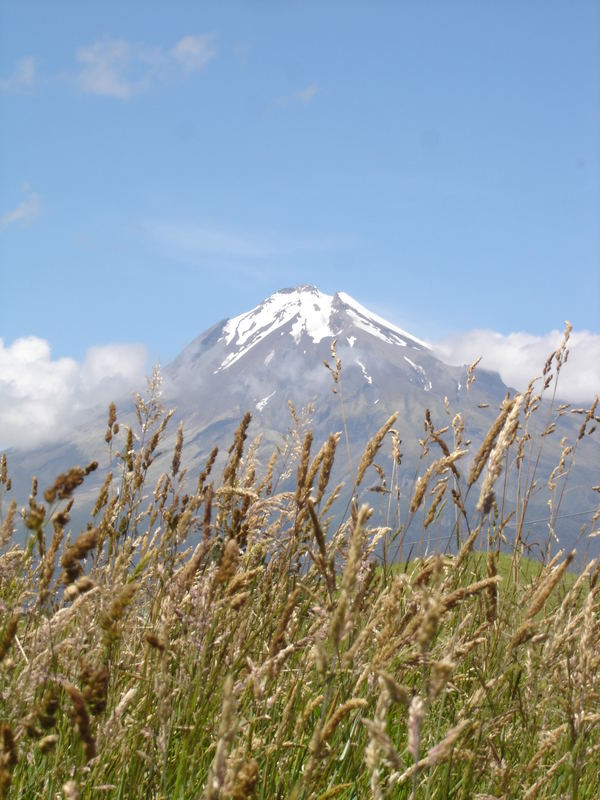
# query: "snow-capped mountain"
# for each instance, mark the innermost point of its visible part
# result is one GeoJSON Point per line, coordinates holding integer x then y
{"type": "Point", "coordinates": [312, 314]}
{"type": "Point", "coordinates": [279, 346]}
{"type": "Point", "coordinates": [272, 355]}
{"type": "Point", "coordinates": [265, 358]}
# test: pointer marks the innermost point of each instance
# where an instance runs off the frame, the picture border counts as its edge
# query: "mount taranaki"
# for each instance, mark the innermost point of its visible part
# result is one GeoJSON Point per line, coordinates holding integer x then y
{"type": "Point", "coordinates": [272, 355]}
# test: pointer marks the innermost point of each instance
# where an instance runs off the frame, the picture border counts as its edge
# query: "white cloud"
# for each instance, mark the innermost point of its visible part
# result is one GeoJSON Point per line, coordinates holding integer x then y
{"type": "Point", "coordinates": [28, 209]}
{"type": "Point", "coordinates": [41, 396]}
{"type": "Point", "coordinates": [518, 357]}
{"type": "Point", "coordinates": [121, 69]}
{"type": "Point", "coordinates": [306, 95]}
{"type": "Point", "coordinates": [194, 52]}
{"type": "Point", "coordinates": [198, 240]}
{"type": "Point", "coordinates": [108, 69]}
{"type": "Point", "coordinates": [22, 77]}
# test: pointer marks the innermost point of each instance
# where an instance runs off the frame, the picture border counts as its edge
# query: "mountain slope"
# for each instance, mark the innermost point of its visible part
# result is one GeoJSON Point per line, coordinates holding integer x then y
{"type": "Point", "coordinates": [273, 355]}
{"type": "Point", "coordinates": [275, 352]}
{"type": "Point", "coordinates": [264, 359]}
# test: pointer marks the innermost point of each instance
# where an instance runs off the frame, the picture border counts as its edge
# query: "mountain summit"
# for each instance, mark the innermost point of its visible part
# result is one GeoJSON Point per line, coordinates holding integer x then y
{"type": "Point", "coordinates": [307, 312]}
{"type": "Point", "coordinates": [272, 356]}
{"type": "Point", "coordinates": [281, 343]}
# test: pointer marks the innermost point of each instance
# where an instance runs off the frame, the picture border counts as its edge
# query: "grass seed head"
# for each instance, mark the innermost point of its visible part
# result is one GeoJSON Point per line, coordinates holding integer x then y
{"type": "Point", "coordinates": [8, 634]}
{"type": "Point", "coordinates": [229, 561]}
{"type": "Point", "coordinates": [372, 448]}
{"type": "Point", "coordinates": [7, 526]}
{"type": "Point", "coordinates": [246, 781]}
{"type": "Point", "coordinates": [496, 457]}
{"type": "Point", "coordinates": [416, 712]}
{"type": "Point", "coordinates": [81, 720]}
{"type": "Point", "coordinates": [70, 790]}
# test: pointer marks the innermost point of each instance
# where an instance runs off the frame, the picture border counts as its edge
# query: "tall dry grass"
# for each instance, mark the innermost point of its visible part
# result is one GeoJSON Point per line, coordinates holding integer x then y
{"type": "Point", "coordinates": [221, 638]}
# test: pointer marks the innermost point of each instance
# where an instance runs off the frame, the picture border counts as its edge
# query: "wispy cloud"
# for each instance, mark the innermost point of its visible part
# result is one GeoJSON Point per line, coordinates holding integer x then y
{"type": "Point", "coordinates": [194, 52]}
{"type": "Point", "coordinates": [121, 69]}
{"type": "Point", "coordinates": [22, 77]}
{"type": "Point", "coordinates": [39, 394]}
{"type": "Point", "coordinates": [307, 94]}
{"type": "Point", "coordinates": [199, 241]}
{"type": "Point", "coordinates": [26, 211]}
{"type": "Point", "coordinates": [520, 356]}
{"type": "Point", "coordinates": [304, 96]}
{"type": "Point", "coordinates": [215, 242]}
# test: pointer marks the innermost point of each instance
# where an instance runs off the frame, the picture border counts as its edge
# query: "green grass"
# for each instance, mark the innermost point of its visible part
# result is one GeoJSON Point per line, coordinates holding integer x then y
{"type": "Point", "coordinates": [206, 637]}
{"type": "Point", "coordinates": [525, 570]}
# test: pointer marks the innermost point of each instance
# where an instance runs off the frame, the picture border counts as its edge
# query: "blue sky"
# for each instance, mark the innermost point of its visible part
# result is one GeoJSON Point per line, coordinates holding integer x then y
{"type": "Point", "coordinates": [166, 165]}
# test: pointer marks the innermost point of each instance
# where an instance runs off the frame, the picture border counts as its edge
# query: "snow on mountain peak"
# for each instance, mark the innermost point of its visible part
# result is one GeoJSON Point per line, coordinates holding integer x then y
{"type": "Point", "coordinates": [309, 308]}
{"type": "Point", "coordinates": [311, 313]}
{"type": "Point", "coordinates": [373, 323]}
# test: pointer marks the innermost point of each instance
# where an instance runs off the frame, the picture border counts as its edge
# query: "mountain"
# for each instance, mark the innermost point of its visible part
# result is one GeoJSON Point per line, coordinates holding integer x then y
{"type": "Point", "coordinates": [271, 356]}
{"type": "Point", "coordinates": [274, 353]}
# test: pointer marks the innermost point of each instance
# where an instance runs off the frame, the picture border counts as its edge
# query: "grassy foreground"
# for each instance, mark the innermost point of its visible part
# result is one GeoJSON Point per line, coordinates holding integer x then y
{"type": "Point", "coordinates": [226, 640]}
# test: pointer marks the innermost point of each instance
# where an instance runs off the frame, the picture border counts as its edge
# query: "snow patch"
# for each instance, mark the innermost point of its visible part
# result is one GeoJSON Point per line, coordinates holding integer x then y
{"type": "Point", "coordinates": [368, 378]}
{"type": "Point", "coordinates": [422, 374]}
{"type": "Point", "coordinates": [304, 311]}
{"type": "Point", "coordinates": [308, 308]}
{"type": "Point", "coordinates": [370, 316]}
{"type": "Point", "coordinates": [269, 358]}
{"type": "Point", "coordinates": [262, 403]}
{"type": "Point", "coordinates": [366, 325]}
{"type": "Point", "coordinates": [416, 367]}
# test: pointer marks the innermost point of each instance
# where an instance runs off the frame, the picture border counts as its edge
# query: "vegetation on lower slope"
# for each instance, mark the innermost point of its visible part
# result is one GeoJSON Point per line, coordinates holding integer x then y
{"type": "Point", "coordinates": [224, 639]}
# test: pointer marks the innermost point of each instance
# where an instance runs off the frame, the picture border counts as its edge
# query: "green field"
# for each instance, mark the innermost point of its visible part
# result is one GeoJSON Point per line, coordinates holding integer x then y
{"type": "Point", "coordinates": [210, 637]}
